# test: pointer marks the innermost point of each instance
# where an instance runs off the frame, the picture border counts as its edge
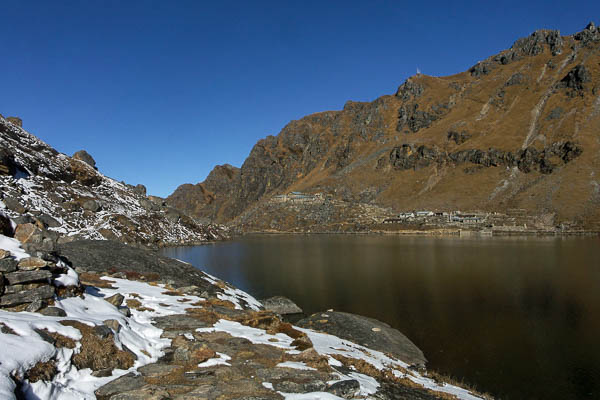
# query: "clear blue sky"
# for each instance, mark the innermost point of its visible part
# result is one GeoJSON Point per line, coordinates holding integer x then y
{"type": "Point", "coordinates": [161, 91]}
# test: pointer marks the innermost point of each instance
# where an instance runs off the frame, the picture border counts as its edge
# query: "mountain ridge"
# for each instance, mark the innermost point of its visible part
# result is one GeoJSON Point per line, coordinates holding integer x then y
{"type": "Point", "coordinates": [517, 130]}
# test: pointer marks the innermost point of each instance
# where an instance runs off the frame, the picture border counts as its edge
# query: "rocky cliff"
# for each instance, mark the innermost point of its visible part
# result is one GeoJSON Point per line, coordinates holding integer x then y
{"type": "Point", "coordinates": [519, 130]}
{"type": "Point", "coordinates": [48, 193]}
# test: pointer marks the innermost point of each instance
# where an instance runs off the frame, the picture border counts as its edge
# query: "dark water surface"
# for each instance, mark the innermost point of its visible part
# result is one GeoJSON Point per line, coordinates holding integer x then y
{"type": "Point", "coordinates": [516, 317]}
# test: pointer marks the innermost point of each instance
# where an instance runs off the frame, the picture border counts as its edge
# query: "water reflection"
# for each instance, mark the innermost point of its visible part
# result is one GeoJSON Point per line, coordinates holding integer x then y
{"type": "Point", "coordinates": [518, 317]}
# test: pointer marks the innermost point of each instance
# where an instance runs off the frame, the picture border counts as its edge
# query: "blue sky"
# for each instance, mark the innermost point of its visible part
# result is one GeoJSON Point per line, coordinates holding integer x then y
{"type": "Point", "coordinates": [161, 91]}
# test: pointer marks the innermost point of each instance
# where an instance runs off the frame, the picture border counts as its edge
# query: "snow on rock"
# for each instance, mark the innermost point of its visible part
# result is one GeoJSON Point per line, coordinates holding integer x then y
{"type": "Point", "coordinates": [310, 396]}
{"type": "Point", "coordinates": [23, 348]}
{"type": "Point", "coordinates": [329, 345]}
{"type": "Point", "coordinates": [255, 335]}
{"type": "Point", "coordinates": [233, 295]}
{"type": "Point", "coordinates": [14, 246]}
{"type": "Point", "coordinates": [84, 202]}
{"type": "Point", "coordinates": [211, 362]}
{"type": "Point", "coordinates": [295, 365]}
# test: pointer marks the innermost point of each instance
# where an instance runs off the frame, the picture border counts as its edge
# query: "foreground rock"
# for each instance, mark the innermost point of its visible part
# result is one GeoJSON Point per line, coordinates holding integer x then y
{"type": "Point", "coordinates": [110, 257]}
{"type": "Point", "coordinates": [368, 332]}
{"type": "Point", "coordinates": [281, 305]}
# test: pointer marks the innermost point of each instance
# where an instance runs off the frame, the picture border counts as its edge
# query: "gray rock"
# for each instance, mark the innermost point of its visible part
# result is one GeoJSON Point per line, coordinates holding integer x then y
{"type": "Point", "coordinates": [480, 69]}
{"type": "Point", "coordinates": [148, 392]}
{"type": "Point", "coordinates": [555, 113]}
{"type": "Point", "coordinates": [113, 324]}
{"type": "Point", "coordinates": [188, 289]}
{"type": "Point", "coordinates": [125, 311]}
{"type": "Point", "coordinates": [173, 215]}
{"type": "Point", "coordinates": [8, 265]}
{"type": "Point", "coordinates": [35, 306]}
{"type": "Point", "coordinates": [15, 278]}
{"type": "Point", "coordinates": [125, 383]}
{"type": "Point", "coordinates": [49, 221]}
{"type": "Point", "coordinates": [515, 79]}
{"type": "Point", "coordinates": [102, 331]}
{"type": "Point", "coordinates": [23, 219]}
{"type": "Point", "coordinates": [281, 305]}
{"type": "Point", "coordinates": [158, 370]}
{"type": "Point", "coordinates": [91, 205]}
{"type": "Point", "coordinates": [102, 255]}
{"type": "Point", "coordinates": [458, 137]}
{"type": "Point", "coordinates": [29, 296]}
{"type": "Point", "coordinates": [149, 205]}
{"type": "Point", "coordinates": [180, 322]}
{"type": "Point", "coordinates": [367, 332]}
{"type": "Point", "coordinates": [575, 79]}
{"type": "Point", "coordinates": [84, 156]}
{"type": "Point", "coordinates": [45, 336]}
{"type": "Point", "coordinates": [53, 312]}
{"type": "Point", "coordinates": [302, 386]}
{"type": "Point", "coordinates": [346, 389]}
{"type": "Point", "coordinates": [140, 189]}
{"type": "Point", "coordinates": [409, 90]}
{"type": "Point", "coordinates": [31, 264]}
{"type": "Point", "coordinates": [116, 299]}
{"type": "Point", "coordinates": [409, 116]}
{"type": "Point", "coordinates": [14, 205]}
{"type": "Point", "coordinates": [590, 34]}
{"type": "Point", "coordinates": [102, 373]}
{"type": "Point", "coordinates": [534, 44]}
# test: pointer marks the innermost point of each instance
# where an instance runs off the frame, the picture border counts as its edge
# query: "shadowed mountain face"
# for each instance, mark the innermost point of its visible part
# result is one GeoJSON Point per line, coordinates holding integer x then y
{"type": "Point", "coordinates": [520, 129]}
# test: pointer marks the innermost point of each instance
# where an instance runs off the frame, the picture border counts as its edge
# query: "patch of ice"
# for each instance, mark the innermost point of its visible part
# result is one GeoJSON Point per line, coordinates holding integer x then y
{"type": "Point", "coordinates": [268, 385]}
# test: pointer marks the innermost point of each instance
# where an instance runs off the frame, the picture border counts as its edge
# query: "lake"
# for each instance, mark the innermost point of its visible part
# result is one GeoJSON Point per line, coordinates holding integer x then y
{"type": "Point", "coordinates": [517, 317]}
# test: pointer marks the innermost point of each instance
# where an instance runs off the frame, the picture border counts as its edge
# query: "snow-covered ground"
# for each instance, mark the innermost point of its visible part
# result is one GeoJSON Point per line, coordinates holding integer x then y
{"type": "Point", "coordinates": [22, 351]}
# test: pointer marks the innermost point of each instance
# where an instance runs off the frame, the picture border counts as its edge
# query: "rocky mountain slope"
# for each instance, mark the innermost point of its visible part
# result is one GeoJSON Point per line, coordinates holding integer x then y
{"type": "Point", "coordinates": [49, 193]}
{"type": "Point", "coordinates": [519, 130]}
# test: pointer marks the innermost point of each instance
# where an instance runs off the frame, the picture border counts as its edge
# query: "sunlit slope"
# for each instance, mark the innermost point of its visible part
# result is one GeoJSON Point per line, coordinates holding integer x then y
{"type": "Point", "coordinates": [518, 130]}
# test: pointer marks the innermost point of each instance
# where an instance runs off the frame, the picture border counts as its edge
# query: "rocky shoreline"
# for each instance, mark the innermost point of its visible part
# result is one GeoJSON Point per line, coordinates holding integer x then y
{"type": "Point", "coordinates": [158, 328]}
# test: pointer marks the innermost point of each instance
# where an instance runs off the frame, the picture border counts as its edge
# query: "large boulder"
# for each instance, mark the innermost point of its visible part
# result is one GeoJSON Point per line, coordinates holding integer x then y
{"type": "Point", "coordinates": [140, 189]}
{"type": "Point", "coordinates": [102, 256]}
{"type": "Point", "coordinates": [84, 156]}
{"type": "Point", "coordinates": [281, 305]}
{"type": "Point", "coordinates": [15, 121]}
{"type": "Point", "coordinates": [368, 332]}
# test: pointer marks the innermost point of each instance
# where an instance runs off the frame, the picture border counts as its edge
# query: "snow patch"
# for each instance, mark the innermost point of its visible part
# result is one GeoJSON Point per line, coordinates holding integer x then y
{"type": "Point", "coordinates": [221, 360]}
{"type": "Point", "coordinates": [14, 246]}
{"type": "Point", "coordinates": [295, 365]}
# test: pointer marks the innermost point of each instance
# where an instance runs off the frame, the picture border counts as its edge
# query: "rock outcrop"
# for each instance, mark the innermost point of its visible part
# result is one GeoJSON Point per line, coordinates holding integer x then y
{"type": "Point", "coordinates": [54, 193]}
{"type": "Point", "coordinates": [368, 332]}
{"type": "Point", "coordinates": [84, 156]}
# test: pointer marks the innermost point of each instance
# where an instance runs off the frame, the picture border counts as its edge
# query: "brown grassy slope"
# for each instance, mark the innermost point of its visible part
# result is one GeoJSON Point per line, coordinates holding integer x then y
{"type": "Point", "coordinates": [511, 106]}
